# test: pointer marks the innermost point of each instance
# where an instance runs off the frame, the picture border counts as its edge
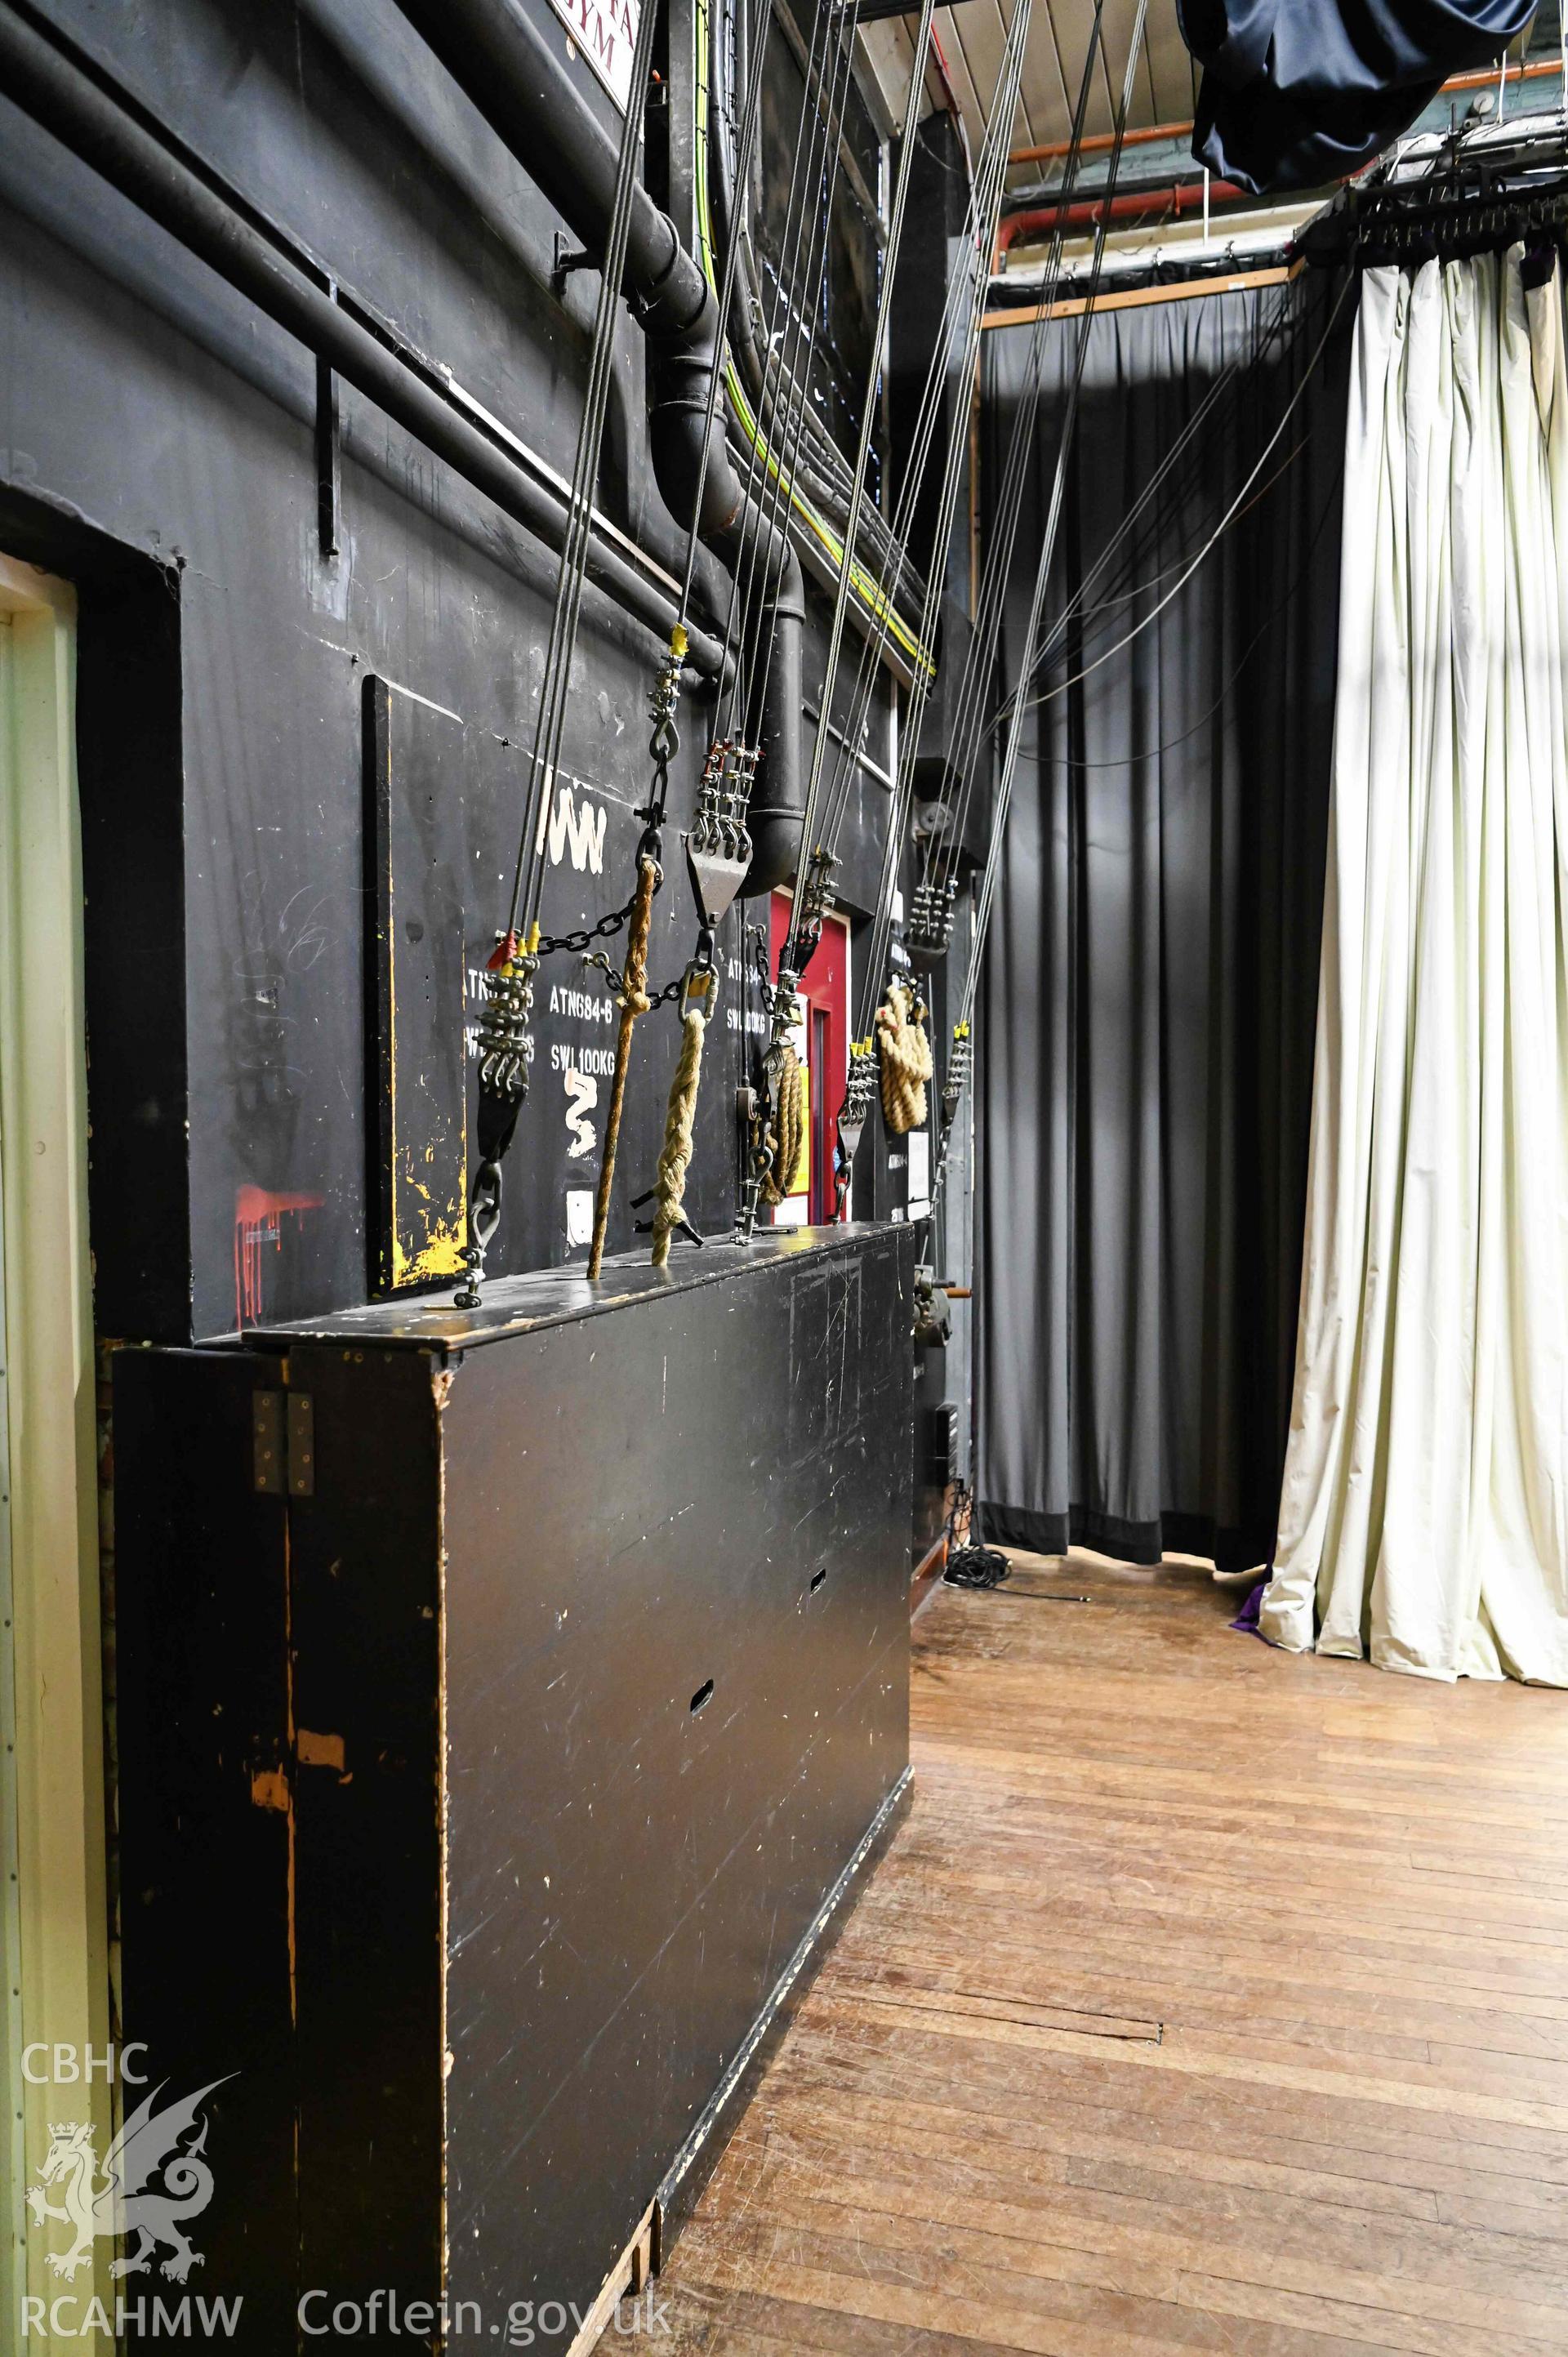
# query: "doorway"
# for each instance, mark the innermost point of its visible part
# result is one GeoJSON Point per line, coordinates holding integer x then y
{"type": "Point", "coordinates": [822, 1042]}
{"type": "Point", "coordinates": [54, 1927]}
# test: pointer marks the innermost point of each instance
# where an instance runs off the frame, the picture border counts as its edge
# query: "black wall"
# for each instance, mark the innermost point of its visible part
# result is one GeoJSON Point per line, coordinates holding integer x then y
{"type": "Point", "coordinates": [158, 445]}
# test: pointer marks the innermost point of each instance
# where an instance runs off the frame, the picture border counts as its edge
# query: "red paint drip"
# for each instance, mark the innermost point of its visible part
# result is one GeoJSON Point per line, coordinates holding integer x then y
{"type": "Point", "coordinates": [259, 1215]}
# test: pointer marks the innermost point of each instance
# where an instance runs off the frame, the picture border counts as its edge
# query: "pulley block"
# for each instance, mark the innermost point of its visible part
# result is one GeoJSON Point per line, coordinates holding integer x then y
{"type": "Point", "coordinates": [928, 929]}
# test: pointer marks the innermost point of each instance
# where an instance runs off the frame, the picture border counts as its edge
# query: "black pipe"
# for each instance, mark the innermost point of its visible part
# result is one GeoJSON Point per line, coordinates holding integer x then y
{"type": "Point", "coordinates": [501, 60]}
{"type": "Point", "coordinates": [37, 76]}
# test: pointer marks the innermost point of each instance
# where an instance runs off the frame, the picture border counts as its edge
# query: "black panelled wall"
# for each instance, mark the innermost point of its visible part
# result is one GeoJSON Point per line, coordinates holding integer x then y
{"type": "Point", "coordinates": [302, 758]}
{"type": "Point", "coordinates": [1147, 1025]}
{"type": "Point", "coordinates": [157, 447]}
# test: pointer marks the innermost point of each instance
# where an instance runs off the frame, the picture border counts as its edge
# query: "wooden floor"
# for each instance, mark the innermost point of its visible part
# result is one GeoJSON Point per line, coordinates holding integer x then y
{"type": "Point", "coordinates": [1210, 1999]}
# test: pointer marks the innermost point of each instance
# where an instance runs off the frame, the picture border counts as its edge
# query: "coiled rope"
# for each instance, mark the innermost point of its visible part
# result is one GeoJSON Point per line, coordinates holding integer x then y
{"type": "Point", "coordinates": [788, 1129]}
{"type": "Point", "coordinates": [907, 1062]}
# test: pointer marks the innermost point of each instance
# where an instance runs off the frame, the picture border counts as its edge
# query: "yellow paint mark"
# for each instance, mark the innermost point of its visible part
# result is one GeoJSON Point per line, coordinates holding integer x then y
{"type": "Point", "coordinates": [269, 1789]}
{"type": "Point", "coordinates": [318, 1750]}
{"type": "Point", "coordinates": [440, 1255]}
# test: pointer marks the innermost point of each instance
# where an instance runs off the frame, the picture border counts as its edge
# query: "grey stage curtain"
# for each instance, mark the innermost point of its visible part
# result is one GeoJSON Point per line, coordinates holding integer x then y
{"type": "Point", "coordinates": [1145, 1045]}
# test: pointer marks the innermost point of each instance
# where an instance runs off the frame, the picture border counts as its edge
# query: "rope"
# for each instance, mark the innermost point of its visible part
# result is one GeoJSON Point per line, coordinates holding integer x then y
{"type": "Point", "coordinates": [780, 1177]}
{"type": "Point", "coordinates": [670, 1185]}
{"type": "Point", "coordinates": [907, 1063]}
{"type": "Point", "coordinates": [634, 1001]}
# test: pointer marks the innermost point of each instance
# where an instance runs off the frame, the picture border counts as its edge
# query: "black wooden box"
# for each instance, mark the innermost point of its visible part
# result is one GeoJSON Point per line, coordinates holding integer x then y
{"type": "Point", "coordinates": [506, 1701]}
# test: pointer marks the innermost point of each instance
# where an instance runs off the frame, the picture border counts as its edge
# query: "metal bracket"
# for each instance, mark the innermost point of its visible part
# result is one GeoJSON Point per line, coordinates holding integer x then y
{"type": "Point", "coordinates": [644, 1227]}
{"type": "Point", "coordinates": [567, 259]}
{"type": "Point", "coordinates": [269, 1449]}
{"type": "Point", "coordinates": [283, 1440]}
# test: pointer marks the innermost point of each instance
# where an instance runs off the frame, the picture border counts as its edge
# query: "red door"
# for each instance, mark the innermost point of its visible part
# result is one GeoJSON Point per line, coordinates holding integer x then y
{"type": "Point", "coordinates": [823, 1046]}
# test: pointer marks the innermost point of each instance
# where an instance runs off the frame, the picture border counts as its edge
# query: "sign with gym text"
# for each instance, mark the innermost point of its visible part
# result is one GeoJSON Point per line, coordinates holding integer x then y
{"type": "Point", "coordinates": [605, 32]}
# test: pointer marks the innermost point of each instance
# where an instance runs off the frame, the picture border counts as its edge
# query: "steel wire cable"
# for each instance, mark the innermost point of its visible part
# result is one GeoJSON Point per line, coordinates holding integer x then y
{"type": "Point", "coordinates": [808, 848]}
{"type": "Point", "coordinates": [1042, 576]}
{"type": "Point", "coordinates": [813, 119]}
{"type": "Point", "coordinates": [1019, 704]}
{"type": "Point", "coordinates": [550, 718]}
{"type": "Point", "coordinates": [986, 898]}
{"type": "Point", "coordinates": [1229, 385]}
{"type": "Point", "coordinates": [810, 320]}
{"type": "Point", "coordinates": [790, 337]}
{"type": "Point", "coordinates": [979, 655]}
{"type": "Point", "coordinates": [792, 482]}
{"type": "Point", "coordinates": [985, 204]}
{"type": "Point", "coordinates": [963, 311]}
{"type": "Point", "coordinates": [1054, 513]}
{"type": "Point", "coordinates": [789, 329]}
{"type": "Point", "coordinates": [942, 857]}
{"type": "Point", "coordinates": [745, 145]}
{"type": "Point", "coordinates": [998, 560]}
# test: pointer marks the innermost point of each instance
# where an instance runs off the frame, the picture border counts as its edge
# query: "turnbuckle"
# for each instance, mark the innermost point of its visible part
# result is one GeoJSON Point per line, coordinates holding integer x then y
{"type": "Point", "coordinates": [956, 1079]}
{"type": "Point", "coordinates": [860, 1095]}
{"type": "Point", "coordinates": [665, 695]}
{"type": "Point", "coordinates": [929, 930]}
{"type": "Point", "coordinates": [812, 908]}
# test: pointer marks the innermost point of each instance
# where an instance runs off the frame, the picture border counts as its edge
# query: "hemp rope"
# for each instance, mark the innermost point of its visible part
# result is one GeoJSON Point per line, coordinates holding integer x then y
{"type": "Point", "coordinates": [634, 1001]}
{"type": "Point", "coordinates": [907, 1062]}
{"type": "Point", "coordinates": [791, 1126]}
{"type": "Point", "coordinates": [670, 1184]}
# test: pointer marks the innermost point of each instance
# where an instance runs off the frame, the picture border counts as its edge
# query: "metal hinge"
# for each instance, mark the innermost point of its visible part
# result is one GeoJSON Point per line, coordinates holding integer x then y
{"type": "Point", "coordinates": [283, 1432]}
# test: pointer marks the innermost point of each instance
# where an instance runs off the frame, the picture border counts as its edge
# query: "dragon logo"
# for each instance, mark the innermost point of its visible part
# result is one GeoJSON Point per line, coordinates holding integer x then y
{"type": "Point", "coordinates": [129, 2200]}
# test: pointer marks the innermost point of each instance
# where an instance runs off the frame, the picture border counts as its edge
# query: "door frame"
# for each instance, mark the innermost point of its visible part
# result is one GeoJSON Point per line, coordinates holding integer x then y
{"type": "Point", "coordinates": [55, 1927]}
{"type": "Point", "coordinates": [824, 989]}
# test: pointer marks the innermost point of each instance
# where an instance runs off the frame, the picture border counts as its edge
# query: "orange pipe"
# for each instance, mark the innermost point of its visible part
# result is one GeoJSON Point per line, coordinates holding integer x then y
{"type": "Point", "coordinates": [1149, 204]}
{"type": "Point", "coordinates": [1101, 140]}
{"type": "Point", "coordinates": [1097, 142]}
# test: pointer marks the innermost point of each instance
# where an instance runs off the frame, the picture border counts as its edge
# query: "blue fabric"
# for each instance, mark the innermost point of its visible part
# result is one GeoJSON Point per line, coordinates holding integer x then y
{"type": "Point", "coordinates": [1296, 94]}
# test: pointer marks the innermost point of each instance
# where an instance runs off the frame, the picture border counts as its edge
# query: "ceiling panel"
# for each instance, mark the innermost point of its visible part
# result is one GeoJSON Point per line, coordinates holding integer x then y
{"type": "Point", "coordinates": [971, 35]}
{"type": "Point", "coordinates": [975, 34]}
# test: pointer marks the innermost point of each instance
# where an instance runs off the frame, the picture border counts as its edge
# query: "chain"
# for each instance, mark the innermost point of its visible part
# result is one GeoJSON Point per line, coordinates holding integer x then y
{"type": "Point", "coordinates": [606, 929]}
{"type": "Point", "coordinates": [663, 745]}
{"type": "Point", "coordinates": [665, 997]}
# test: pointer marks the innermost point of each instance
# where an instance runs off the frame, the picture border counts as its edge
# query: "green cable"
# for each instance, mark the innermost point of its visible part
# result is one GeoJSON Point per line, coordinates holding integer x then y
{"type": "Point", "coordinates": [865, 587]}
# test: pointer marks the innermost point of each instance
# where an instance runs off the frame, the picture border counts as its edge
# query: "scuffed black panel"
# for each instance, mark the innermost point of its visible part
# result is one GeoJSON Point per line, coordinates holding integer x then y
{"type": "Point", "coordinates": [446, 809]}
{"type": "Point", "coordinates": [481, 1788]}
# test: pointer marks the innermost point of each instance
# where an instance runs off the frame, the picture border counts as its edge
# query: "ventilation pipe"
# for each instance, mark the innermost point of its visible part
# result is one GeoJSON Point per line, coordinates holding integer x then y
{"type": "Point", "coordinates": [505, 64]}
{"type": "Point", "coordinates": [76, 104]}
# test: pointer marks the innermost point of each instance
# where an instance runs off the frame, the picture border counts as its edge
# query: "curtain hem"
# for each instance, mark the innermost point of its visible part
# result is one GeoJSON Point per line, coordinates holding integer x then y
{"type": "Point", "coordinates": [1141, 1543]}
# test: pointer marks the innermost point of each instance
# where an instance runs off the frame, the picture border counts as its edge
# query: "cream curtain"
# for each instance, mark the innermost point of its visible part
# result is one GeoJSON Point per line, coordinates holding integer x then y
{"type": "Point", "coordinates": [1423, 1518]}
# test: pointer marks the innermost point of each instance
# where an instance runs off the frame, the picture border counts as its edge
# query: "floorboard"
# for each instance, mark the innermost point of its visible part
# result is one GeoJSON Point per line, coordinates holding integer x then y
{"type": "Point", "coordinates": [1210, 2000]}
